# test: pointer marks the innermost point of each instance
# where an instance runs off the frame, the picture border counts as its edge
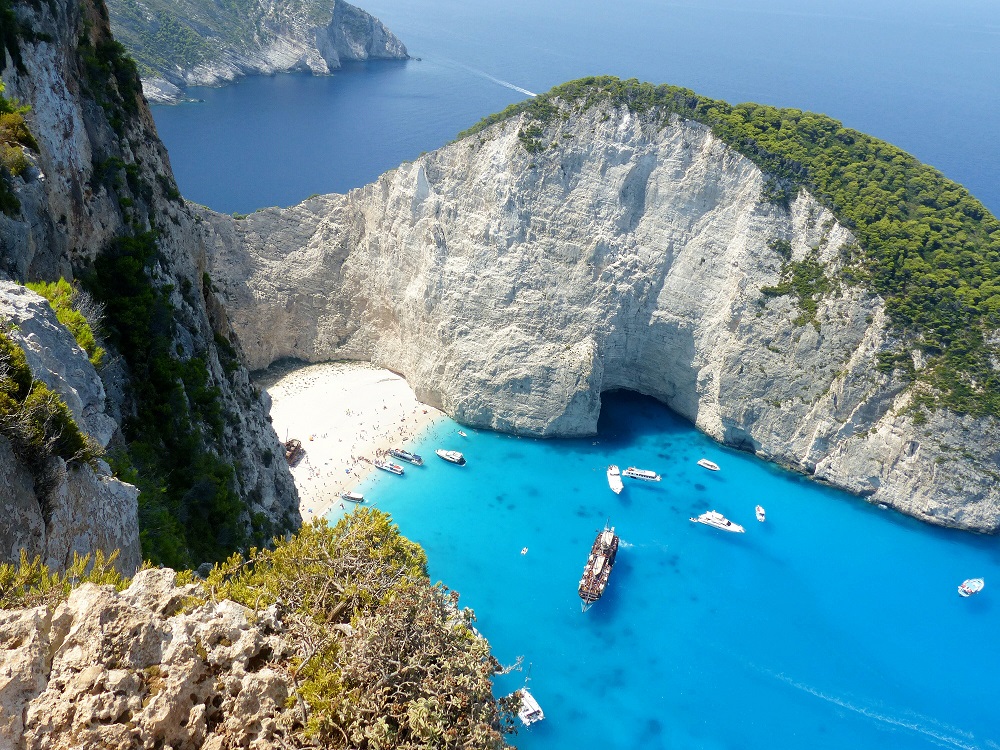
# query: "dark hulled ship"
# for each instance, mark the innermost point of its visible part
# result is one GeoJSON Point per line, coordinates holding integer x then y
{"type": "Point", "coordinates": [598, 567]}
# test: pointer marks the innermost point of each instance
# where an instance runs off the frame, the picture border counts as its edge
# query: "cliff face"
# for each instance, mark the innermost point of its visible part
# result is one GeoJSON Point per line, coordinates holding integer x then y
{"type": "Point", "coordinates": [180, 44]}
{"type": "Point", "coordinates": [512, 288]}
{"type": "Point", "coordinates": [101, 176]}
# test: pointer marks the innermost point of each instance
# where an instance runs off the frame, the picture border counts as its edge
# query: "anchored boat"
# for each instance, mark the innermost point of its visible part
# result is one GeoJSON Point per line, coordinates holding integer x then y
{"type": "Point", "coordinates": [354, 497]}
{"type": "Point", "coordinates": [971, 586]}
{"type": "Point", "coordinates": [453, 456]}
{"type": "Point", "coordinates": [598, 568]}
{"type": "Point", "coordinates": [706, 464]}
{"type": "Point", "coordinates": [644, 474]}
{"type": "Point", "coordinates": [615, 479]}
{"type": "Point", "coordinates": [530, 711]}
{"type": "Point", "coordinates": [388, 466]}
{"type": "Point", "coordinates": [413, 458]}
{"type": "Point", "coordinates": [716, 520]}
{"type": "Point", "coordinates": [759, 510]}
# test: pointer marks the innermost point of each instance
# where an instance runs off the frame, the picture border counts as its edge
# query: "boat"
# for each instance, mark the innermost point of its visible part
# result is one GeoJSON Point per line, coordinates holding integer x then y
{"type": "Point", "coordinates": [645, 474]}
{"type": "Point", "coordinates": [402, 455]}
{"type": "Point", "coordinates": [971, 586]}
{"type": "Point", "coordinates": [615, 479]}
{"type": "Point", "coordinates": [530, 711]}
{"type": "Point", "coordinates": [462, 433]}
{"type": "Point", "coordinates": [706, 464]}
{"type": "Point", "coordinates": [760, 513]}
{"type": "Point", "coordinates": [354, 497]}
{"type": "Point", "coordinates": [388, 466]}
{"type": "Point", "coordinates": [454, 456]}
{"type": "Point", "coordinates": [293, 451]}
{"type": "Point", "coordinates": [717, 520]}
{"type": "Point", "coordinates": [598, 568]}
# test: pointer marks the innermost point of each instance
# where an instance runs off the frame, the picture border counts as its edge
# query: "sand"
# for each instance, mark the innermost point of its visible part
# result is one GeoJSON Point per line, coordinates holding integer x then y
{"type": "Point", "coordinates": [345, 414]}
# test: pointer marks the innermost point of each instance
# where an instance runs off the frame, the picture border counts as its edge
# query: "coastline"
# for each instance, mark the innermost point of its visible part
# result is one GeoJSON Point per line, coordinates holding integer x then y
{"type": "Point", "coordinates": [344, 413]}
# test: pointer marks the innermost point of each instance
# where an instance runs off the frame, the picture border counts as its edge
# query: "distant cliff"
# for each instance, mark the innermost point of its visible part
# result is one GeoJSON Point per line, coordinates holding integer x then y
{"type": "Point", "coordinates": [193, 43]}
{"type": "Point", "coordinates": [587, 242]}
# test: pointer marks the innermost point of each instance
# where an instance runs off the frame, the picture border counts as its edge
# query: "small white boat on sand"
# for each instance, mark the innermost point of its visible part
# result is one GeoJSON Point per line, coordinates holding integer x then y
{"type": "Point", "coordinates": [530, 711]}
{"type": "Point", "coordinates": [453, 456]}
{"type": "Point", "coordinates": [760, 513]}
{"type": "Point", "coordinates": [644, 474]}
{"type": "Point", "coordinates": [716, 520]}
{"type": "Point", "coordinates": [388, 466]}
{"type": "Point", "coordinates": [354, 497]}
{"type": "Point", "coordinates": [615, 479]}
{"type": "Point", "coordinates": [971, 586]}
{"type": "Point", "coordinates": [706, 464]}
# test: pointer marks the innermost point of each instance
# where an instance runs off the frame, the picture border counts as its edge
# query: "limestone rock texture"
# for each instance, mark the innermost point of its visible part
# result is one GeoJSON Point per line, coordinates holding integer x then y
{"type": "Point", "coordinates": [134, 669]}
{"type": "Point", "coordinates": [100, 174]}
{"type": "Point", "coordinates": [511, 288]}
{"type": "Point", "coordinates": [261, 38]}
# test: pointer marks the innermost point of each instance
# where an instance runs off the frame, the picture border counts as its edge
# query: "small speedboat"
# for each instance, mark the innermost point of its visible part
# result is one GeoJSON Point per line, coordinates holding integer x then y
{"type": "Point", "coordinates": [706, 464]}
{"type": "Point", "coordinates": [354, 497]}
{"type": "Point", "coordinates": [462, 433]}
{"type": "Point", "coordinates": [644, 474]}
{"type": "Point", "coordinates": [413, 458]}
{"type": "Point", "coordinates": [615, 479]}
{"type": "Point", "coordinates": [388, 466]}
{"type": "Point", "coordinates": [971, 586]}
{"type": "Point", "coordinates": [760, 513]}
{"type": "Point", "coordinates": [716, 520]}
{"type": "Point", "coordinates": [530, 711]}
{"type": "Point", "coordinates": [453, 456]}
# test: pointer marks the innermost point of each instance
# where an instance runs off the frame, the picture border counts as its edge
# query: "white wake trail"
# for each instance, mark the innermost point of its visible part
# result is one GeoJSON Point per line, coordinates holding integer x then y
{"type": "Point", "coordinates": [488, 77]}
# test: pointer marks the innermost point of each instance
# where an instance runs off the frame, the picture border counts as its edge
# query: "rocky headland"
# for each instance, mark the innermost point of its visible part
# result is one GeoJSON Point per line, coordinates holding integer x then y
{"type": "Point", "coordinates": [516, 274]}
{"type": "Point", "coordinates": [181, 44]}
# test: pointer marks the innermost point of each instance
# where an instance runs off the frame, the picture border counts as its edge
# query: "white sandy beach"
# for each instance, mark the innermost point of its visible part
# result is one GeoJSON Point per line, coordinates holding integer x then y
{"type": "Point", "coordinates": [344, 413]}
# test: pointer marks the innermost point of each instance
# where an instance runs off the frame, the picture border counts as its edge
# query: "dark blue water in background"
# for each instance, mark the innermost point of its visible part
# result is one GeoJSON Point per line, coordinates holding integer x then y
{"type": "Point", "coordinates": [922, 75]}
{"type": "Point", "coordinates": [834, 624]}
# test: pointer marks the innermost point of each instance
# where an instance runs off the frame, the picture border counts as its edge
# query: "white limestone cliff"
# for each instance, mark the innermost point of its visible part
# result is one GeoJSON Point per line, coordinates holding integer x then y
{"type": "Point", "coordinates": [512, 288]}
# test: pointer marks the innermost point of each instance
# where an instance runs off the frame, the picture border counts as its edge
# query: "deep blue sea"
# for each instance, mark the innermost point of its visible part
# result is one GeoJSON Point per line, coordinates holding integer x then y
{"type": "Point", "coordinates": [922, 74]}
{"type": "Point", "coordinates": [833, 624]}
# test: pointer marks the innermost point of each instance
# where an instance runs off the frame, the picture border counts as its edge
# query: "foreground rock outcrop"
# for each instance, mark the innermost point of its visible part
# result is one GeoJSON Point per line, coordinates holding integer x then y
{"type": "Point", "coordinates": [181, 44]}
{"type": "Point", "coordinates": [515, 275]}
{"type": "Point", "coordinates": [133, 669]}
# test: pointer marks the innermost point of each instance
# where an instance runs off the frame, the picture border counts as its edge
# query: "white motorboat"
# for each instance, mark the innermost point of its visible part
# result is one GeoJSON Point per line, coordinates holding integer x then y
{"type": "Point", "coordinates": [354, 497]}
{"type": "Point", "coordinates": [644, 474]}
{"type": "Point", "coordinates": [615, 479]}
{"type": "Point", "coordinates": [760, 513]}
{"type": "Point", "coordinates": [530, 711]}
{"type": "Point", "coordinates": [717, 520]}
{"type": "Point", "coordinates": [706, 464]}
{"type": "Point", "coordinates": [453, 456]}
{"type": "Point", "coordinates": [388, 466]}
{"type": "Point", "coordinates": [413, 458]}
{"type": "Point", "coordinates": [971, 586]}
{"type": "Point", "coordinates": [463, 433]}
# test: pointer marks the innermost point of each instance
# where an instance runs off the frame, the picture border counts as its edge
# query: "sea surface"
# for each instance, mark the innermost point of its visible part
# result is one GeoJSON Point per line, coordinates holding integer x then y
{"type": "Point", "coordinates": [922, 74]}
{"type": "Point", "coordinates": [834, 624]}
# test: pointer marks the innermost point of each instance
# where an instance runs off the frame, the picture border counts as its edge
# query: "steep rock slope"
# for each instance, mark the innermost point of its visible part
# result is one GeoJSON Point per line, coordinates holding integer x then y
{"type": "Point", "coordinates": [100, 182]}
{"type": "Point", "coordinates": [516, 274]}
{"type": "Point", "coordinates": [193, 43]}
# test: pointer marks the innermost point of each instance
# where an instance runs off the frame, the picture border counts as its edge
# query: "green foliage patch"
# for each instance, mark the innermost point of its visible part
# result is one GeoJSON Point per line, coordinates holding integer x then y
{"type": "Point", "coordinates": [14, 135]}
{"type": "Point", "coordinates": [387, 660]}
{"type": "Point", "coordinates": [62, 296]}
{"type": "Point", "coordinates": [807, 281]}
{"type": "Point", "coordinates": [930, 249]}
{"type": "Point", "coordinates": [31, 584]}
{"type": "Point", "coordinates": [189, 510]}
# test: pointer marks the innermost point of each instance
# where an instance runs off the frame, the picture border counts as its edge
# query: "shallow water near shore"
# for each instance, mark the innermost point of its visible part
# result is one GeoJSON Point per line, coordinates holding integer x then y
{"type": "Point", "coordinates": [834, 624]}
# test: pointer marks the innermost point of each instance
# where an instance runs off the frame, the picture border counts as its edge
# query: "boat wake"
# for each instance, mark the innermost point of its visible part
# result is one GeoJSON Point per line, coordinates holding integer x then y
{"type": "Point", "coordinates": [923, 725]}
{"type": "Point", "coordinates": [488, 77]}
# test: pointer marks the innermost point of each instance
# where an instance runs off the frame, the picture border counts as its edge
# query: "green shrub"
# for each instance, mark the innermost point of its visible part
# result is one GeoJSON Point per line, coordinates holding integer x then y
{"type": "Point", "coordinates": [31, 584]}
{"type": "Point", "coordinates": [62, 296]}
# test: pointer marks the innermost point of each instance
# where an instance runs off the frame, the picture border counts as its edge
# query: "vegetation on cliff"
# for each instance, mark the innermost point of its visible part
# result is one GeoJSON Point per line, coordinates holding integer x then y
{"type": "Point", "coordinates": [14, 138]}
{"type": "Point", "coordinates": [66, 301]}
{"type": "Point", "coordinates": [929, 248]}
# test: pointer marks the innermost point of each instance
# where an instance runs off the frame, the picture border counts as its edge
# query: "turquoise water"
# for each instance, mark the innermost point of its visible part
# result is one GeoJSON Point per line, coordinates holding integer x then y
{"type": "Point", "coordinates": [832, 625]}
{"type": "Point", "coordinates": [922, 74]}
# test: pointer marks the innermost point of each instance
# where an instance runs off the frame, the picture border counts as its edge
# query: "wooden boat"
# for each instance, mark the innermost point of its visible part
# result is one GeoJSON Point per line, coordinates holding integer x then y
{"type": "Point", "coordinates": [597, 571]}
{"type": "Point", "coordinates": [293, 451]}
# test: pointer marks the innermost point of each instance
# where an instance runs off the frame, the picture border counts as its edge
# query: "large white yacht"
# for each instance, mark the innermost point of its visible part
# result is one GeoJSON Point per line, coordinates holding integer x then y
{"type": "Point", "coordinates": [453, 456]}
{"type": "Point", "coordinates": [717, 520]}
{"type": "Point", "coordinates": [615, 479]}
{"type": "Point", "coordinates": [646, 474]}
{"type": "Point", "coordinates": [706, 464]}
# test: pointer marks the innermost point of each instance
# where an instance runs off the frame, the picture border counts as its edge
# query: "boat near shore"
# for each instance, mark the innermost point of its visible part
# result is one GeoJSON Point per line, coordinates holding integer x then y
{"type": "Point", "coordinates": [718, 521]}
{"type": "Point", "coordinates": [971, 586]}
{"type": "Point", "coordinates": [388, 466]}
{"type": "Point", "coordinates": [354, 497]}
{"type": "Point", "coordinates": [452, 456]}
{"type": "Point", "coordinates": [597, 571]}
{"type": "Point", "coordinates": [615, 479]}
{"type": "Point", "coordinates": [644, 474]}
{"type": "Point", "coordinates": [530, 711]}
{"type": "Point", "coordinates": [402, 455]}
{"type": "Point", "coordinates": [706, 464]}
